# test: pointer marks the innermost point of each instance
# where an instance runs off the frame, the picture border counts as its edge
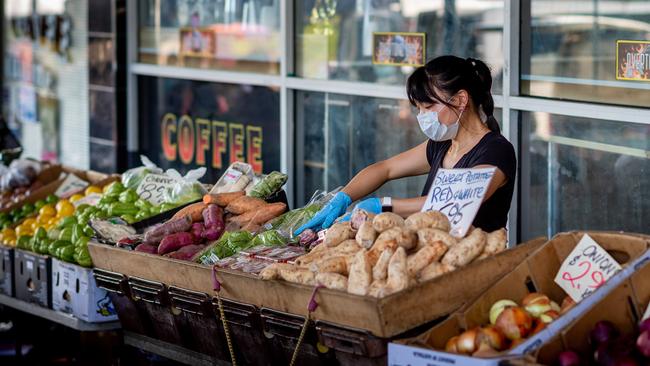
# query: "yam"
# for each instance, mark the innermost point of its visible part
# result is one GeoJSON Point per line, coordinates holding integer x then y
{"type": "Point", "coordinates": [387, 220]}
{"type": "Point", "coordinates": [338, 233]}
{"type": "Point", "coordinates": [377, 248]}
{"type": "Point", "coordinates": [380, 270]}
{"type": "Point", "coordinates": [424, 256]}
{"type": "Point", "coordinates": [366, 235]}
{"type": "Point", "coordinates": [244, 204]}
{"type": "Point", "coordinates": [332, 281]}
{"type": "Point", "coordinates": [398, 279]}
{"type": "Point", "coordinates": [360, 216]}
{"type": "Point", "coordinates": [158, 232]}
{"type": "Point", "coordinates": [261, 214]}
{"type": "Point", "coordinates": [466, 250]}
{"type": "Point", "coordinates": [222, 199]}
{"type": "Point", "coordinates": [297, 275]}
{"type": "Point", "coordinates": [360, 276]}
{"type": "Point", "coordinates": [433, 270]}
{"type": "Point", "coordinates": [405, 238]}
{"type": "Point", "coordinates": [272, 271]}
{"type": "Point", "coordinates": [427, 220]}
{"type": "Point", "coordinates": [174, 242]}
{"type": "Point", "coordinates": [430, 236]}
{"type": "Point", "coordinates": [496, 242]}
{"type": "Point", "coordinates": [332, 265]}
{"type": "Point", "coordinates": [194, 211]}
{"type": "Point", "coordinates": [377, 289]}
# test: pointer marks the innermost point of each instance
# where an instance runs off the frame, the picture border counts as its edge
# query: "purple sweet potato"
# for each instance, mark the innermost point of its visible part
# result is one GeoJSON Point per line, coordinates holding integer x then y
{"type": "Point", "coordinates": [197, 229]}
{"type": "Point", "coordinates": [212, 215]}
{"type": "Point", "coordinates": [174, 242]}
{"type": "Point", "coordinates": [146, 248]}
{"type": "Point", "coordinates": [187, 252]}
{"type": "Point", "coordinates": [158, 232]}
{"type": "Point", "coordinates": [213, 232]}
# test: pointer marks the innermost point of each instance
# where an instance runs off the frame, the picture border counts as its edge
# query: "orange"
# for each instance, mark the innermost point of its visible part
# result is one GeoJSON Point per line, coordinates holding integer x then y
{"type": "Point", "coordinates": [47, 210]}
{"type": "Point", "coordinates": [64, 208]}
{"type": "Point", "coordinates": [76, 197]}
{"type": "Point", "coordinates": [92, 189]}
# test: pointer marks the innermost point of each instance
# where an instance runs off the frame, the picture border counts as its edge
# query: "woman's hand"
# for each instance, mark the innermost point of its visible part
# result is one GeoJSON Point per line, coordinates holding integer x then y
{"type": "Point", "coordinates": [326, 216]}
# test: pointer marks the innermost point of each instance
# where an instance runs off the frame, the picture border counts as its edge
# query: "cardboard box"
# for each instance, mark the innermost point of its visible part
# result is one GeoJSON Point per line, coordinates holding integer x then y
{"type": "Point", "coordinates": [535, 274]}
{"type": "Point", "coordinates": [386, 317]}
{"type": "Point", "coordinates": [7, 271]}
{"type": "Point", "coordinates": [46, 177]}
{"type": "Point", "coordinates": [75, 291]}
{"type": "Point", "coordinates": [33, 276]}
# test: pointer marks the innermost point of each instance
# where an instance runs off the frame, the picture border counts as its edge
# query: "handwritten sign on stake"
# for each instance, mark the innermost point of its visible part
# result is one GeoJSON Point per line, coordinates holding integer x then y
{"type": "Point", "coordinates": [153, 187]}
{"type": "Point", "coordinates": [458, 193]}
{"type": "Point", "coordinates": [588, 267]}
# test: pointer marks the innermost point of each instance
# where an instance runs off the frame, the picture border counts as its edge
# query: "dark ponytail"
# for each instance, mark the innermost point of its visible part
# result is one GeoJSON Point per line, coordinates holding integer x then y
{"type": "Point", "coordinates": [450, 74]}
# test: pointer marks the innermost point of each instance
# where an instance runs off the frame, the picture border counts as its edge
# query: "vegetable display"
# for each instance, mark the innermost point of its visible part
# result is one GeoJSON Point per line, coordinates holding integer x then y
{"type": "Point", "coordinates": [384, 254]}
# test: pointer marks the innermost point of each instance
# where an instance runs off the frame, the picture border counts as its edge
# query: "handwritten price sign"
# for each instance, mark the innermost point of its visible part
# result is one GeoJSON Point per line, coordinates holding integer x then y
{"type": "Point", "coordinates": [153, 187]}
{"type": "Point", "coordinates": [70, 185]}
{"type": "Point", "coordinates": [458, 193]}
{"type": "Point", "coordinates": [587, 268]}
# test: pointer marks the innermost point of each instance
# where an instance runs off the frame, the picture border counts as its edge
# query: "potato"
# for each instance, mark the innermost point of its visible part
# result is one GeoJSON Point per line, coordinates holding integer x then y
{"type": "Point", "coordinates": [360, 276]}
{"type": "Point", "coordinates": [387, 220]}
{"type": "Point", "coordinates": [466, 250]}
{"type": "Point", "coordinates": [398, 279]}
{"type": "Point", "coordinates": [297, 275]}
{"type": "Point", "coordinates": [427, 220]}
{"type": "Point", "coordinates": [380, 270]}
{"type": "Point", "coordinates": [333, 281]}
{"type": "Point", "coordinates": [430, 253]}
{"type": "Point", "coordinates": [338, 233]}
{"type": "Point", "coordinates": [405, 238]}
{"type": "Point", "coordinates": [377, 248]}
{"type": "Point", "coordinates": [496, 242]}
{"type": "Point", "coordinates": [272, 271]}
{"type": "Point", "coordinates": [366, 235]}
{"type": "Point", "coordinates": [359, 217]}
{"type": "Point", "coordinates": [430, 236]}
{"type": "Point", "coordinates": [433, 270]}
{"type": "Point", "coordinates": [332, 265]}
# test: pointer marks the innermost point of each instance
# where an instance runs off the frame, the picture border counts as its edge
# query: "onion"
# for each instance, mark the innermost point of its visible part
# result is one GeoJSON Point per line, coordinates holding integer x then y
{"type": "Point", "coordinates": [490, 337]}
{"type": "Point", "coordinates": [498, 307]}
{"type": "Point", "coordinates": [643, 343]}
{"type": "Point", "coordinates": [538, 326]}
{"type": "Point", "coordinates": [567, 304]}
{"type": "Point", "coordinates": [569, 358]}
{"type": "Point", "coordinates": [535, 298]}
{"type": "Point", "coordinates": [451, 345]}
{"type": "Point", "coordinates": [514, 323]}
{"type": "Point", "coordinates": [467, 342]}
{"type": "Point", "coordinates": [549, 316]}
{"type": "Point", "coordinates": [603, 331]}
{"type": "Point", "coordinates": [645, 325]}
{"type": "Point", "coordinates": [485, 352]}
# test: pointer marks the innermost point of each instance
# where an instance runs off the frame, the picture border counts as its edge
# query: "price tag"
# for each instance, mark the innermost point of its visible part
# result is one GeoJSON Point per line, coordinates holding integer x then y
{"type": "Point", "coordinates": [91, 199]}
{"type": "Point", "coordinates": [232, 176]}
{"type": "Point", "coordinates": [153, 187]}
{"type": "Point", "coordinates": [71, 185]}
{"type": "Point", "coordinates": [587, 268]}
{"type": "Point", "coordinates": [458, 193]}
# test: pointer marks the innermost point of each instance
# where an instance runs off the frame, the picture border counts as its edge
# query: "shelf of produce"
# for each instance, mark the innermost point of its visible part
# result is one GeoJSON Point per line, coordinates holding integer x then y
{"type": "Point", "coordinates": [170, 351]}
{"type": "Point", "coordinates": [57, 317]}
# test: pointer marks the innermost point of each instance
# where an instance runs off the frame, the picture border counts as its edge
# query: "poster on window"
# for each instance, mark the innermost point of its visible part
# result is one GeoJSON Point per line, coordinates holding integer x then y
{"type": "Point", "coordinates": [398, 49]}
{"type": "Point", "coordinates": [633, 60]}
{"type": "Point", "coordinates": [188, 124]}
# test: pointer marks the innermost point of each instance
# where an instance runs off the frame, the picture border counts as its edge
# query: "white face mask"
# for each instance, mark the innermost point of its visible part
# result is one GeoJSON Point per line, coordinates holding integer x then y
{"type": "Point", "coordinates": [436, 131]}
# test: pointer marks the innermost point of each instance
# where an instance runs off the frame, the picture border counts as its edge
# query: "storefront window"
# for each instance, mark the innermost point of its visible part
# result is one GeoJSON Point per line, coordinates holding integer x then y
{"type": "Point", "coordinates": [237, 35]}
{"type": "Point", "coordinates": [584, 174]}
{"type": "Point", "coordinates": [569, 50]}
{"type": "Point", "coordinates": [334, 39]}
{"type": "Point", "coordinates": [338, 135]}
{"type": "Point", "coordinates": [187, 124]}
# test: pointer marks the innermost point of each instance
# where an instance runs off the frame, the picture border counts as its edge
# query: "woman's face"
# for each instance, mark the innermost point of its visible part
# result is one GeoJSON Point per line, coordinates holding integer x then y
{"type": "Point", "coordinates": [446, 115]}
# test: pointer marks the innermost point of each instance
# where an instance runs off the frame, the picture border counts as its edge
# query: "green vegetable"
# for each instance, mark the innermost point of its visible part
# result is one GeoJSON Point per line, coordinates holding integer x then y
{"type": "Point", "coordinates": [66, 234]}
{"type": "Point", "coordinates": [77, 232]}
{"type": "Point", "coordinates": [88, 231]}
{"type": "Point", "coordinates": [269, 238]}
{"type": "Point", "coordinates": [143, 204]}
{"type": "Point", "coordinates": [119, 209]}
{"type": "Point", "coordinates": [128, 196]}
{"type": "Point", "coordinates": [106, 200]}
{"type": "Point", "coordinates": [39, 204]}
{"type": "Point", "coordinates": [269, 185]}
{"type": "Point", "coordinates": [167, 206]}
{"type": "Point", "coordinates": [67, 222]}
{"type": "Point", "coordinates": [24, 242]}
{"type": "Point", "coordinates": [82, 256]}
{"type": "Point", "coordinates": [41, 247]}
{"type": "Point", "coordinates": [82, 242]}
{"type": "Point", "coordinates": [81, 209]}
{"type": "Point", "coordinates": [52, 199]}
{"type": "Point", "coordinates": [114, 189]}
{"type": "Point", "coordinates": [229, 244]}
{"type": "Point", "coordinates": [130, 219]}
{"type": "Point", "coordinates": [28, 208]}
{"type": "Point", "coordinates": [53, 234]}
{"type": "Point", "coordinates": [67, 254]}
{"type": "Point", "coordinates": [56, 245]}
{"type": "Point", "coordinates": [141, 215]}
{"type": "Point", "coordinates": [6, 224]}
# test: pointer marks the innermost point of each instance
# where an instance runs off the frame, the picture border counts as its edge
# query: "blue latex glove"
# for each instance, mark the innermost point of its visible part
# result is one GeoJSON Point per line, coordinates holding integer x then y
{"type": "Point", "coordinates": [370, 205]}
{"type": "Point", "coordinates": [326, 216]}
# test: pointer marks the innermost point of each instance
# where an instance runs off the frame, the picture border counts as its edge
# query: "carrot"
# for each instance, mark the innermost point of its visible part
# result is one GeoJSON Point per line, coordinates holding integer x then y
{"type": "Point", "coordinates": [261, 214]}
{"type": "Point", "coordinates": [195, 211]}
{"type": "Point", "coordinates": [244, 204]}
{"type": "Point", "coordinates": [222, 199]}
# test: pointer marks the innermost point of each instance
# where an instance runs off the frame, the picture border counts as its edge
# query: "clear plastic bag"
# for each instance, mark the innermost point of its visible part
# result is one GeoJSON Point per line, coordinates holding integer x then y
{"type": "Point", "coordinates": [187, 188]}
{"type": "Point", "coordinates": [133, 177]}
{"type": "Point", "coordinates": [20, 173]}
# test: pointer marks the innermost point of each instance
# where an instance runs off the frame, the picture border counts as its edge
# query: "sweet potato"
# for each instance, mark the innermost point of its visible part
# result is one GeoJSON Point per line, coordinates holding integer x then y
{"type": "Point", "coordinates": [333, 265]}
{"type": "Point", "coordinates": [212, 233]}
{"type": "Point", "coordinates": [366, 235]}
{"type": "Point", "coordinates": [158, 232]}
{"type": "Point", "coordinates": [466, 250]}
{"type": "Point", "coordinates": [433, 270]}
{"type": "Point", "coordinates": [174, 242]}
{"type": "Point", "coordinates": [222, 199]}
{"type": "Point", "coordinates": [186, 253]}
{"type": "Point", "coordinates": [380, 270]}
{"type": "Point", "coordinates": [146, 248]}
{"type": "Point", "coordinates": [496, 242]}
{"type": "Point", "coordinates": [427, 220]}
{"type": "Point", "coordinates": [430, 253]}
{"type": "Point", "coordinates": [377, 248]}
{"type": "Point", "coordinates": [213, 216]}
{"type": "Point", "coordinates": [272, 271]}
{"type": "Point", "coordinates": [404, 237]}
{"type": "Point", "coordinates": [194, 211]}
{"type": "Point", "coordinates": [297, 275]}
{"type": "Point", "coordinates": [360, 276]}
{"type": "Point", "coordinates": [333, 281]}
{"type": "Point", "coordinates": [338, 233]}
{"type": "Point", "coordinates": [261, 214]}
{"type": "Point", "coordinates": [430, 236]}
{"type": "Point", "coordinates": [197, 229]}
{"type": "Point", "coordinates": [244, 204]}
{"type": "Point", "coordinates": [377, 288]}
{"type": "Point", "coordinates": [398, 279]}
{"type": "Point", "coordinates": [359, 217]}
{"type": "Point", "coordinates": [387, 220]}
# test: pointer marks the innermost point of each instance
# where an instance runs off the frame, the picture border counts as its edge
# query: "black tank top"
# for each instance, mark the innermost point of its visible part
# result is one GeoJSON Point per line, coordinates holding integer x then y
{"type": "Point", "coordinates": [493, 149]}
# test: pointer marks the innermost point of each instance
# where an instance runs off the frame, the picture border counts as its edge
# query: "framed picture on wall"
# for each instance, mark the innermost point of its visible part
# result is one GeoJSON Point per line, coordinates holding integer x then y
{"type": "Point", "coordinates": [197, 42]}
{"type": "Point", "coordinates": [633, 60]}
{"type": "Point", "coordinates": [398, 48]}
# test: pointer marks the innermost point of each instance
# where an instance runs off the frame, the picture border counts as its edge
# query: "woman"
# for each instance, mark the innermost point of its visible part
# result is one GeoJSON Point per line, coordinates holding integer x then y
{"type": "Point", "coordinates": [456, 114]}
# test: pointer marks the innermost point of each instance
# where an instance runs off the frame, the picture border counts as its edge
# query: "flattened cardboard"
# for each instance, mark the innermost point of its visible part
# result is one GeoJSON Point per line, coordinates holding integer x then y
{"type": "Point", "coordinates": [64, 278]}
{"type": "Point", "coordinates": [7, 271]}
{"type": "Point", "coordinates": [386, 317]}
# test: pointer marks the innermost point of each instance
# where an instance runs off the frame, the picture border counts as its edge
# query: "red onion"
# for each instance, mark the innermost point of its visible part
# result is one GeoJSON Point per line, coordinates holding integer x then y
{"type": "Point", "coordinates": [603, 331]}
{"type": "Point", "coordinates": [643, 343]}
{"type": "Point", "coordinates": [569, 358]}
